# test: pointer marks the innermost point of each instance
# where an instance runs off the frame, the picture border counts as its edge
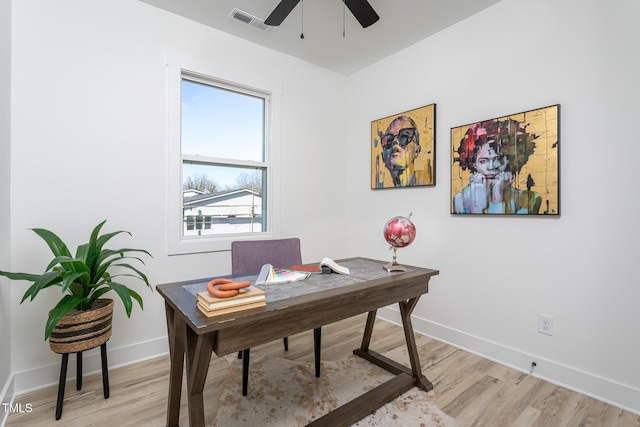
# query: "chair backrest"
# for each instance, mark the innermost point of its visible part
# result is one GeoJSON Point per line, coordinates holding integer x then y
{"type": "Point", "coordinates": [248, 256]}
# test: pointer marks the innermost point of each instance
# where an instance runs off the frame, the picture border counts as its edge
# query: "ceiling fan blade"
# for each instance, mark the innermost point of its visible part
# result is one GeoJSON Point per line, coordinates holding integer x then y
{"type": "Point", "coordinates": [363, 12]}
{"type": "Point", "coordinates": [282, 10]}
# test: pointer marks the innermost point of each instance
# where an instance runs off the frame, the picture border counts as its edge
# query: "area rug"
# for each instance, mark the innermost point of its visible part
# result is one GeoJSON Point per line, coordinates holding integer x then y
{"type": "Point", "coordinates": [286, 393]}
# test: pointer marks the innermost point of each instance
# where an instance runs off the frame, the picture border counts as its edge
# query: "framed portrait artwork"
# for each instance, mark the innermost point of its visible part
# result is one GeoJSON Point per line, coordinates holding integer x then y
{"type": "Point", "coordinates": [507, 165]}
{"type": "Point", "coordinates": [403, 149]}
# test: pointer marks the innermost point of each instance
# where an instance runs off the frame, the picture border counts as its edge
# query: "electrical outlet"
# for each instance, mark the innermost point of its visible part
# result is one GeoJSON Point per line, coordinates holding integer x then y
{"type": "Point", "coordinates": [545, 324]}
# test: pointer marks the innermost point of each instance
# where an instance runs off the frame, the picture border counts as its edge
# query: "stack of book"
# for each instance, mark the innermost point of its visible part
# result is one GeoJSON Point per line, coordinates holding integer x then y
{"type": "Point", "coordinates": [248, 298]}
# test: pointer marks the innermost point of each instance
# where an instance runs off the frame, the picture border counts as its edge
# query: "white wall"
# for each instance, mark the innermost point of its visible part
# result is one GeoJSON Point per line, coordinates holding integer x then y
{"type": "Point", "coordinates": [5, 168]}
{"type": "Point", "coordinates": [89, 125]}
{"type": "Point", "coordinates": [497, 274]}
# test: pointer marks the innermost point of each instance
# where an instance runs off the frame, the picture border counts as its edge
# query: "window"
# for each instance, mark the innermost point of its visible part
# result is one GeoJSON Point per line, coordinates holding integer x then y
{"type": "Point", "coordinates": [220, 168]}
{"type": "Point", "coordinates": [224, 171]}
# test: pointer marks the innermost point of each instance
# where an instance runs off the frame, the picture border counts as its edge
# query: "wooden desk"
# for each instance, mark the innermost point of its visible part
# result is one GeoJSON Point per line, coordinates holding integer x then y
{"type": "Point", "coordinates": [292, 308]}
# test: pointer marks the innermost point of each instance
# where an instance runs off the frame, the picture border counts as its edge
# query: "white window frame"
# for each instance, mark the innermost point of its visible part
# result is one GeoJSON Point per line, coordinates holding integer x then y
{"type": "Point", "coordinates": [177, 244]}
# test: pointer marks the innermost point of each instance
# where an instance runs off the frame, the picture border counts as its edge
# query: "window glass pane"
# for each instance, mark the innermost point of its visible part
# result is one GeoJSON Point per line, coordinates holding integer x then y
{"type": "Point", "coordinates": [221, 199]}
{"type": "Point", "coordinates": [221, 123]}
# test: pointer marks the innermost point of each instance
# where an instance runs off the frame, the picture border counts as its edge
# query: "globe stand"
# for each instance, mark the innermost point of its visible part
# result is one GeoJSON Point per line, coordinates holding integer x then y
{"type": "Point", "coordinates": [393, 265]}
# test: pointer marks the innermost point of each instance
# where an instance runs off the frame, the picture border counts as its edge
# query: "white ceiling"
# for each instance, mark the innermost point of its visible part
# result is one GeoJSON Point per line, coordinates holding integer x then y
{"type": "Point", "coordinates": [402, 23]}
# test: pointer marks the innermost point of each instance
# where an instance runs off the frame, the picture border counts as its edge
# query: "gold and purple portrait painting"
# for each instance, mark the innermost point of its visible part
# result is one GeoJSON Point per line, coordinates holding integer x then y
{"type": "Point", "coordinates": [403, 149]}
{"type": "Point", "coordinates": [508, 165]}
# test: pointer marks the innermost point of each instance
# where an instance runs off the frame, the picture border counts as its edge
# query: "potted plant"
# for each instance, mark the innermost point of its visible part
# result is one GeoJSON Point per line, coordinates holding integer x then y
{"type": "Point", "coordinates": [84, 279]}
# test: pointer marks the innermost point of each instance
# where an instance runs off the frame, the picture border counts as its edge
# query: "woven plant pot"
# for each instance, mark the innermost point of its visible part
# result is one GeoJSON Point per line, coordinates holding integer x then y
{"type": "Point", "coordinates": [82, 330]}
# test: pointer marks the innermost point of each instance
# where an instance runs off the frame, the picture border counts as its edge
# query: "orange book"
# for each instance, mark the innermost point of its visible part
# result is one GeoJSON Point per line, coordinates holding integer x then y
{"type": "Point", "coordinates": [327, 265]}
{"type": "Point", "coordinates": [307, 268]}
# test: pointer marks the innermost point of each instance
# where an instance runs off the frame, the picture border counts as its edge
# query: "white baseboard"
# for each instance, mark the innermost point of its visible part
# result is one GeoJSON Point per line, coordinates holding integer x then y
{"type": "Point", "coordinates": [44, 376]}
{"type": "Point", "coordinates": [603, 389]}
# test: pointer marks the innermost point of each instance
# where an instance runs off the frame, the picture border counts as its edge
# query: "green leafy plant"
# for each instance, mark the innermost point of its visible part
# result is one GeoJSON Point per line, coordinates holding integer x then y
{"type": "Point", "coordinates": [86, 277]}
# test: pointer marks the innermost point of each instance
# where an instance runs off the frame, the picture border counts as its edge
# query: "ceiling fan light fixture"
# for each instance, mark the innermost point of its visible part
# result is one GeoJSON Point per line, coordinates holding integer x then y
{"type": "Point", "coordinates": [361, 9]}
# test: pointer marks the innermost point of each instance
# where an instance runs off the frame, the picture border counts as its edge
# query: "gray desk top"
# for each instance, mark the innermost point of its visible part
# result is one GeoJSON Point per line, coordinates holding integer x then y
{"type": "Point", "coordinates": [360, 270]}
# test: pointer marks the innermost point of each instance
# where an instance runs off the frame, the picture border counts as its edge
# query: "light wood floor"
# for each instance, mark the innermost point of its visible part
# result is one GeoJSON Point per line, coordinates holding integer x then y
{"type": "Point", "coordinates": [473, 390]}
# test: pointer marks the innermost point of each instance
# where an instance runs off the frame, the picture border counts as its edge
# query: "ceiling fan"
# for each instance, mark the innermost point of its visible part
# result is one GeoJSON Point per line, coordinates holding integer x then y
{"type": "Point", "coordinates": [361, 9]}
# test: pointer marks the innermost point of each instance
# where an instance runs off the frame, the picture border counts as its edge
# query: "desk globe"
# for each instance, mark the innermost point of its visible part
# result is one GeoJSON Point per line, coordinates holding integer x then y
{"type": "Point", "coordinates": [399, 232]}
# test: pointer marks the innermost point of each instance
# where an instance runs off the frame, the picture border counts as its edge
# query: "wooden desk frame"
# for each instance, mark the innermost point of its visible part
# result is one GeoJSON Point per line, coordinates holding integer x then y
{"type": "Point", "coordinates": [196, 336]}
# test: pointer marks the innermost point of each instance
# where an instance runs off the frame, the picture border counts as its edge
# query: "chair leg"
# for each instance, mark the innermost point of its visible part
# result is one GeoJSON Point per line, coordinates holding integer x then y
{"type": "Point", "coordinates": [285, 340]}
{"type": "Point", "coordinates": [245, 371]}
{"type": "Point", "coordinates": [79, 370]}
{"type": "Point", "coordinates": [63, 379]}
{"type": "Point", "coordinates": [317, 335]}
{"type": "Point", "coordinates": [105, 370]}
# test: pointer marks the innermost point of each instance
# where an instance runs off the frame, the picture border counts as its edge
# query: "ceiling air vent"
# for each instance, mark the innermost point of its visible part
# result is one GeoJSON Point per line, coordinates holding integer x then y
{"type": "Point", "coordinates": [249, 19]}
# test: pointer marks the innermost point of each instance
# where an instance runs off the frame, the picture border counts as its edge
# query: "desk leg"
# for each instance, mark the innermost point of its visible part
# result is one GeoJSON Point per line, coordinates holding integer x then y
{"type": "Point", "coordinates": [404, 378]}
{"type": "Point", "coordinates": [406, 308]}
{"type": "Point", "coordinates": [176, 331]}
{"type": "Point", "coordinates": [368, 330]}
{"type": "Point", "coordinates": [199, 348]}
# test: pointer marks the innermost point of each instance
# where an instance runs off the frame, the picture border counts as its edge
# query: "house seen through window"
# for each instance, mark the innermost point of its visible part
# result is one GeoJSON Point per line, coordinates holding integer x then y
{"type": "Point", "coordinates": [224, 165]}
